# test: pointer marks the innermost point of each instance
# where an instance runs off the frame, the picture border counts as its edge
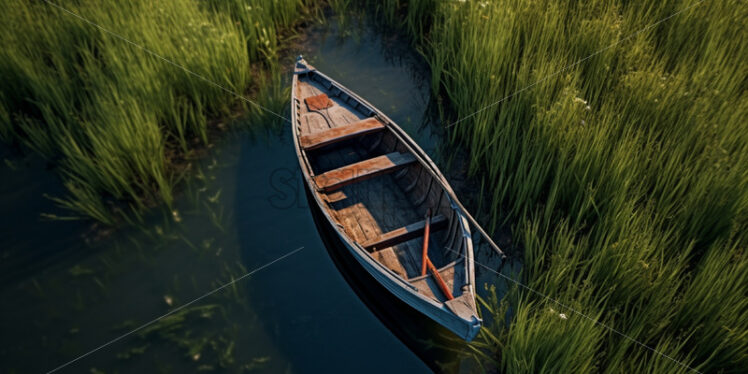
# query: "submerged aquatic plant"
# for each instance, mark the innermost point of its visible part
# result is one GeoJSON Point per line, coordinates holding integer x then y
{"type": "Point", "coordinates": [205, 334]}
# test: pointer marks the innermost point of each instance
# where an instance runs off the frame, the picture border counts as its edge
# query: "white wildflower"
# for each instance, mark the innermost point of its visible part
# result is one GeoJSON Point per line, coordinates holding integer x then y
{"type": "Point", "coordinates": [563, 316]}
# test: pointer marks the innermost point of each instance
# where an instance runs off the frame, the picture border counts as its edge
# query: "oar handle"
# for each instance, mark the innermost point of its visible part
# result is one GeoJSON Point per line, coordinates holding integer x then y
{"type": "Point", "coordinates": [439, 281]}
{"type": "Point", "coordinates": [426, 232]}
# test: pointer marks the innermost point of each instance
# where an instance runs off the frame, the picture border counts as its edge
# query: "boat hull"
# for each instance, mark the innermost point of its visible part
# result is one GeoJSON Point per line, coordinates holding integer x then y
{"type": "Point", "coordinates": [394, 284]}
{"type": "Point", "coordinates": [429, 340]}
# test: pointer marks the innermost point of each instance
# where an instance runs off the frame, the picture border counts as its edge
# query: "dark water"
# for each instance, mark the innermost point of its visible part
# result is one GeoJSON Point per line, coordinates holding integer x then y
{"type": "Point", "coordinates": [68, 288]}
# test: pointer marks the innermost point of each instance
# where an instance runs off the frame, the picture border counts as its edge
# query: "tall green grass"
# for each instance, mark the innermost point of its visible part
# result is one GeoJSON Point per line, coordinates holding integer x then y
{"type": "Point", "coordinates": [113, 118]}
{"type": "Point", "coordinates": [624, 179]}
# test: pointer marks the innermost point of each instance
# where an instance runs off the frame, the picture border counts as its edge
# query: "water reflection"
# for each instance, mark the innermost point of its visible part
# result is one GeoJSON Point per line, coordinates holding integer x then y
{"type": "Point", "coordinates": [70, 286]}
{"type": "Point", "coordinates": [107, 284]}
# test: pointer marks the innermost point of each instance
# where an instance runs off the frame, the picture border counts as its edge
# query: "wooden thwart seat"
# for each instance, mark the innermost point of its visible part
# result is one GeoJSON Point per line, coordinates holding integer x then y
{"type": "Point", "coordinates": [340, 133]}
{"type": "Point", "coordinates": [359, 171]}
{"type": "Point", "coordinates": [404, 234]}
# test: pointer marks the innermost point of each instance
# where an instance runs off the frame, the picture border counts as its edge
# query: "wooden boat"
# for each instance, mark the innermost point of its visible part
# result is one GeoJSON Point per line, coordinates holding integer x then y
{"type": "Point", "coordinates": [383, 196]}
{"type": "Point", "coordinates": [436, 346]}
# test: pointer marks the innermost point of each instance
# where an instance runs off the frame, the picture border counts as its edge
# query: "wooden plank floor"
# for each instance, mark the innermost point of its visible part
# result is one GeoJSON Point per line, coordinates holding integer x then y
{"type": "Point", "coordinates": [369, 208]}
{"type": "Point", "coordinates": [312, 122]}
{"type": "Point", "coordinates": [429, 287]}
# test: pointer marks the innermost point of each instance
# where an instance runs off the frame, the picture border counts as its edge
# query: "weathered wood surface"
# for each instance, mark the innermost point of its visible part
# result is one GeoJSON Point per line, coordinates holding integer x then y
{"type": "Point", "coordinates": [405, 233]}
{"type": "Point", "coordinates": [389, 258]}
{"type": "Point", "coordinates": [362, 170]}
{"type": "Point", "coordinates": [428, 286]}
{"type": "Point", "coordinates": [368, 209]}
{"type": "Point", "coordinates": [340, 114]}
{"type": "Point", "coordinates": [338, 134]}
{"type": "Point", "coordinates": [318, 102]}
{"type": "Point", "coordinates": [377, 206]}
{"type": "Point", "coordinates": [375, 212]}
{"type": "Point", "coordinates": [383, 213]}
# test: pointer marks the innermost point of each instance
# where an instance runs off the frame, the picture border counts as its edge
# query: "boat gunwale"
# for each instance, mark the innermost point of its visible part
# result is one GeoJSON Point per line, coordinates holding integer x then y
{"type": "Point", "coordinates": [424, 161]}
{"type": "Point", "coordinates": [389, 125]}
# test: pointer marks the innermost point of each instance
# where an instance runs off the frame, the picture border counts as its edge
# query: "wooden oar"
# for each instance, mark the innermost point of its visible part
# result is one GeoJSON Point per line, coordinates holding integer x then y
{"type": "Point", "coordinates": [439, 281]}
{"type": "Point", "coordinates": [426, 262]}
{"type": "Point", "coordinates": [426, 232]}
{"type": "Point", "coordinates": [436, 173]}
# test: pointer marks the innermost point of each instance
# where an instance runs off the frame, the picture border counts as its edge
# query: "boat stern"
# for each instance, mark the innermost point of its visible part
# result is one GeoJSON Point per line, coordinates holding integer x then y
{"type": "Point", "coordinates": [473, 329]}
{"type": "Point", "coordinates": [463, 308]}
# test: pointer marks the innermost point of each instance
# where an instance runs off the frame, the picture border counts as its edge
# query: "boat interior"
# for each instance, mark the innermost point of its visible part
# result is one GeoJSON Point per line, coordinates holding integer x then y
{"type": "Point", "coordinates": [375, 190]}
